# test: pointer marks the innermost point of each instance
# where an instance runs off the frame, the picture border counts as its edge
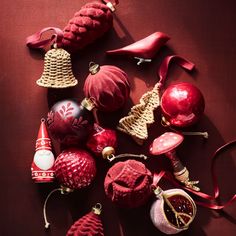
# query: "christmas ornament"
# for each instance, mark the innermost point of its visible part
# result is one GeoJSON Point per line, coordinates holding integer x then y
{"type": "Point", "coordinates": [57, 70]}
{"type": "Point", "coordinates": [69, 122]}
{"type": "Point", "coordinates": [107, 86]}
{"type": "Point", "coordinates": [42, 168]}
{"type": "Point", "coordinates": [88, 24]}
{"type": "Point", "coordinates": [75, 168]}
{"type": "Point", "coordinates": [89, 224]}
{"type": "Point", "coordinates": [143, 50]}
{"type": "Point", "coordinates": [182, 105]}
{"type": "Point", "coordinates": [166, 144]}
{"type": "Point", "coordinates": [173, 211]}
{"type": "Point", "coordinates": [102, 141]}
{"type": "Point", "coordinates": [128, 183]}
{"type": "Point", "coordinates": [141, 115]}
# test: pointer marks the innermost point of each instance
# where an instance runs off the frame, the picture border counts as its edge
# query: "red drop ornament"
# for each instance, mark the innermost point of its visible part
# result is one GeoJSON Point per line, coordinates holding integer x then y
{"type": "Point", "coordinates": [102, 141]}
{"type": "Point", "coordinates": [75, 168]}
{"type": "Point", "coordinates": [128, 183]}
{"type": "Point", "coordinates": [107, 86]}
{"type": "Point", "coordinates": [182, 104]}
{"type": "Point", "coordinates": [69, 122]}
{"type": "Point", "coordinates": [89, 224]}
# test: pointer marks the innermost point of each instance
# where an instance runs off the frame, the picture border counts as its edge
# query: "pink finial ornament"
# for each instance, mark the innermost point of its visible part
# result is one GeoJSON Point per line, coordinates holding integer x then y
{"type": "Point", "coordinates": [42, 166]}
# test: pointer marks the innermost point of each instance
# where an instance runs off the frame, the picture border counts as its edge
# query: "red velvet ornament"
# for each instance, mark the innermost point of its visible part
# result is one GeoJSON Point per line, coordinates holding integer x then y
{"type": "Point", "coordinates": [128, 183]}
{"type": "Point", "coordinates": [88, 24]}
{"type": "Point", "coordinates": [182, 104]}
{"type": "Point", "coordinates": [75, 168]}
{"type": "Point", "coordinates": [69, 122]}
{"type": "Point", "coordinates": [102, 141]}
{"type": "Point", "coordinates": [89, 224]}
{"type": "Point", "coordinates": [107, 86]}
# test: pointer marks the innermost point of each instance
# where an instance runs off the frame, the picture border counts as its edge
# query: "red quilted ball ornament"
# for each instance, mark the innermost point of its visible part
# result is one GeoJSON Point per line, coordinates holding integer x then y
{"type": "Point", "coordinates": [107, 86]}
{"type": "Point", "coordinates": [102, 141]}
{"type": "Point", "coordinates": [89, 224]}
{"type": "Point", "coordinates": [88, 24]}
{"type": "Point", "coordinates": [128, 183]}
{"type": "Point", "coordinates": [182, 104]}
{"type": "Point", "coordinates": [75, 168]}
{"type": "Point", "coordinates": [69, 122]}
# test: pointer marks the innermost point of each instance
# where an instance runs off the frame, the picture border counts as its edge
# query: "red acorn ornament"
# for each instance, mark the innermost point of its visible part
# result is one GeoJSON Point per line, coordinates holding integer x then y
{"type": "Point", "coordinates": [75, 168]}
{"type": "Point", "coordinates": [102, 141]}
{"type": "Point", "coordinates": [128, 183]}
{"type": "Point", "coordinates": [42, 167]}
{"type": "Point", "coordinates": [69, 122]}
{"type": "Point", "coordinates": [107, 86]}
{"type": "Point", "coordinates": [182, 105]}
{"type": "Point", "coordinates": [89, 224]}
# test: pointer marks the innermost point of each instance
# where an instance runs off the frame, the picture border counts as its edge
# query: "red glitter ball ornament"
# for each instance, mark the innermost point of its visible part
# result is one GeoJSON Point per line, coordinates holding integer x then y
{"type": "Point", "coordinates": [182, 104]}
{"type": "Point", "coordinates": [107, 86]}
{"type": "Point", "coordinates": [128, 183]}
{"type": "Point", "coordinates": [102, 141]}
{"type": "Point", "coordinates": [75, 168]}
{"type": "Point", "coordinates": [89, 224]}
{"type": "Point", "coordinates": [69, 122]}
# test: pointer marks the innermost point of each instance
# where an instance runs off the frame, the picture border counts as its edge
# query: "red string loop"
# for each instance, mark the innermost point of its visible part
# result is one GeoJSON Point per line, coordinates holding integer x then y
{"type": "Point", "coordinates": [35, 41]}
{"type": "Point", "coordinates": [164, 67]}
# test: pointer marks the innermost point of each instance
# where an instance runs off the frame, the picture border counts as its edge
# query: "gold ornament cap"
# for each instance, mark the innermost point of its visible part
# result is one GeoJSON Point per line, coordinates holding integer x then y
{"type": "Point", "coordinates": [88, 104]}
{"type": "Point", "coordinates": [97, 209]}
{"type": "Point", "coordinates": [107, 152]}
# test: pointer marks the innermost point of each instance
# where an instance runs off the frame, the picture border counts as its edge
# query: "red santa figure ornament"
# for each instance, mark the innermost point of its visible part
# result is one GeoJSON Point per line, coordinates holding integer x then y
{"type": "Point", "coordinates": [42, 167]}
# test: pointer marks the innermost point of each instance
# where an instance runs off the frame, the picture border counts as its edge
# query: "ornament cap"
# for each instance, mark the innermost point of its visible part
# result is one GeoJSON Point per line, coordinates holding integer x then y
{"type": "Point", "coordinates": [108, 152]}
{"type": "Point", "coordinates": [93, 68]}
{"type": "Point", "coordinates": [97, 209]}
{"type": "Point", "coordinates": [88, 104]}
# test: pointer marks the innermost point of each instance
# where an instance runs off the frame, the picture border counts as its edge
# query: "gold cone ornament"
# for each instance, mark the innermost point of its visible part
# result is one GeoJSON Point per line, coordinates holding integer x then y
{"type": "Point", "coordinates": [57, 70]}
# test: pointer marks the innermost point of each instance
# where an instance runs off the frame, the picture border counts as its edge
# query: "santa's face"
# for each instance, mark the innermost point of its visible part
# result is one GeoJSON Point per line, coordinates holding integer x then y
{"type": "Point", "coordinates": [44, 159]}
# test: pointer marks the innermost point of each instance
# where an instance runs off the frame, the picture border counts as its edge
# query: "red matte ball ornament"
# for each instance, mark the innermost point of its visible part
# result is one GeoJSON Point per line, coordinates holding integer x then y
{"type": "Point", "coordinates": [69, 122]}
{"type": "Point", "coordinates": [128, 183]}
{"type": "Point", "coordinates": [107, 86]}
{"type": "Point", "coordinates": [75, 168]}
{"type": "Point", "coordinates": [102, 141]}
{"type": "Point", "coordinates": [182, 105]}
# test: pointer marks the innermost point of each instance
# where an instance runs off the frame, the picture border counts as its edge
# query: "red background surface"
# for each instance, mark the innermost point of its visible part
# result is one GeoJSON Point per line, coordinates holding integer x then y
{"type": "Point", "coordinates": [201, 31]}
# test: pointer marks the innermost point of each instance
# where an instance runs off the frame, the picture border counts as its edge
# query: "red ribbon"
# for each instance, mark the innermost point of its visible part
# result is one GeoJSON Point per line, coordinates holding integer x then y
{"type": "Point", "coordinates": [158, 176]}
{"type": "Point", "coordinates": [163, 69]}
{"type": "Point", "coordinates": [35, 41]}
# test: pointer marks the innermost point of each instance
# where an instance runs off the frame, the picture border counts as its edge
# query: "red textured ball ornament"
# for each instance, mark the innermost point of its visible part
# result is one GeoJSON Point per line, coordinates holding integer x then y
{"type": "Point", "coordinates": [107, 86]}
{"type": "Point", "coordinates": [75, 168]}
{"type": "Point", "coordinates": [128, 183]}
{"type": "Point", "coordinates": [69, 122]}
{"type": "Point", "coordinates": [102, 141]}
{"type": "Point", "coordinates": [182, 104]}
{"type": "Point", "coordinates": [88, 24]}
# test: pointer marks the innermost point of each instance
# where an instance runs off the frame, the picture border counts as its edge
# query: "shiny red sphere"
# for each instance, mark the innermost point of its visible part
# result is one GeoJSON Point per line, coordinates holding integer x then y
{"type": "Point", "coordinates": [182, 104]}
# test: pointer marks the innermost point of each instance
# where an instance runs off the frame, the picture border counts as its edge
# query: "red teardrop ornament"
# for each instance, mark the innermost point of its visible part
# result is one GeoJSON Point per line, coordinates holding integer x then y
{"type": "Point", "coordinates": [182, 104]}
{"type": "Point", "coordinates": [128, 183]}
{"type": "Point", "coordinates": [75, 168]}
{"type": "Point", "coordinates": [102, 140]}
{"type": "Point", "coordinates": [88, 225]}
{"type": "Point", "coordinates": [69, 122]}
{"type": "Point", "coordinates": [88, 24]}
{"type": "Point", "coordinates": [107, 86]}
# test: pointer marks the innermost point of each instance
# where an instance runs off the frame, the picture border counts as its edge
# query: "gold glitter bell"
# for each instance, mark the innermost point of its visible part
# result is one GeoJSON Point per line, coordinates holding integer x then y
{"type": "Point", "coordinates": [57, 70]}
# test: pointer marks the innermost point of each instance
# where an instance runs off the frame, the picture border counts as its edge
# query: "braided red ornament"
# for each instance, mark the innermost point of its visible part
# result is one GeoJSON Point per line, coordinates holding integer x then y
{"type": "Point", "coordinates": [75, 168]}
{"type": "Point", "coordinates": [128, 183]}
{"type": "Point", "coordinates": [89, 224]}
{"type": "Point", "coordinates": [88, 24]}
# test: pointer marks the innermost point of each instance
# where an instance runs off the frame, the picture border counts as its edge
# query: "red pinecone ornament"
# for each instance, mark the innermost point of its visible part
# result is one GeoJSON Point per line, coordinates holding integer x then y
{"type": "Point", "coordinates": [88, 225]}
{"type": "Point", "coordinates": [102, 141]}
{"type": "Point", "coordinates": [88, 24]}
{"type": "Point", "coordinates": [75, 168]}
{"type": "Point", "coordinates": [128, 183]}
